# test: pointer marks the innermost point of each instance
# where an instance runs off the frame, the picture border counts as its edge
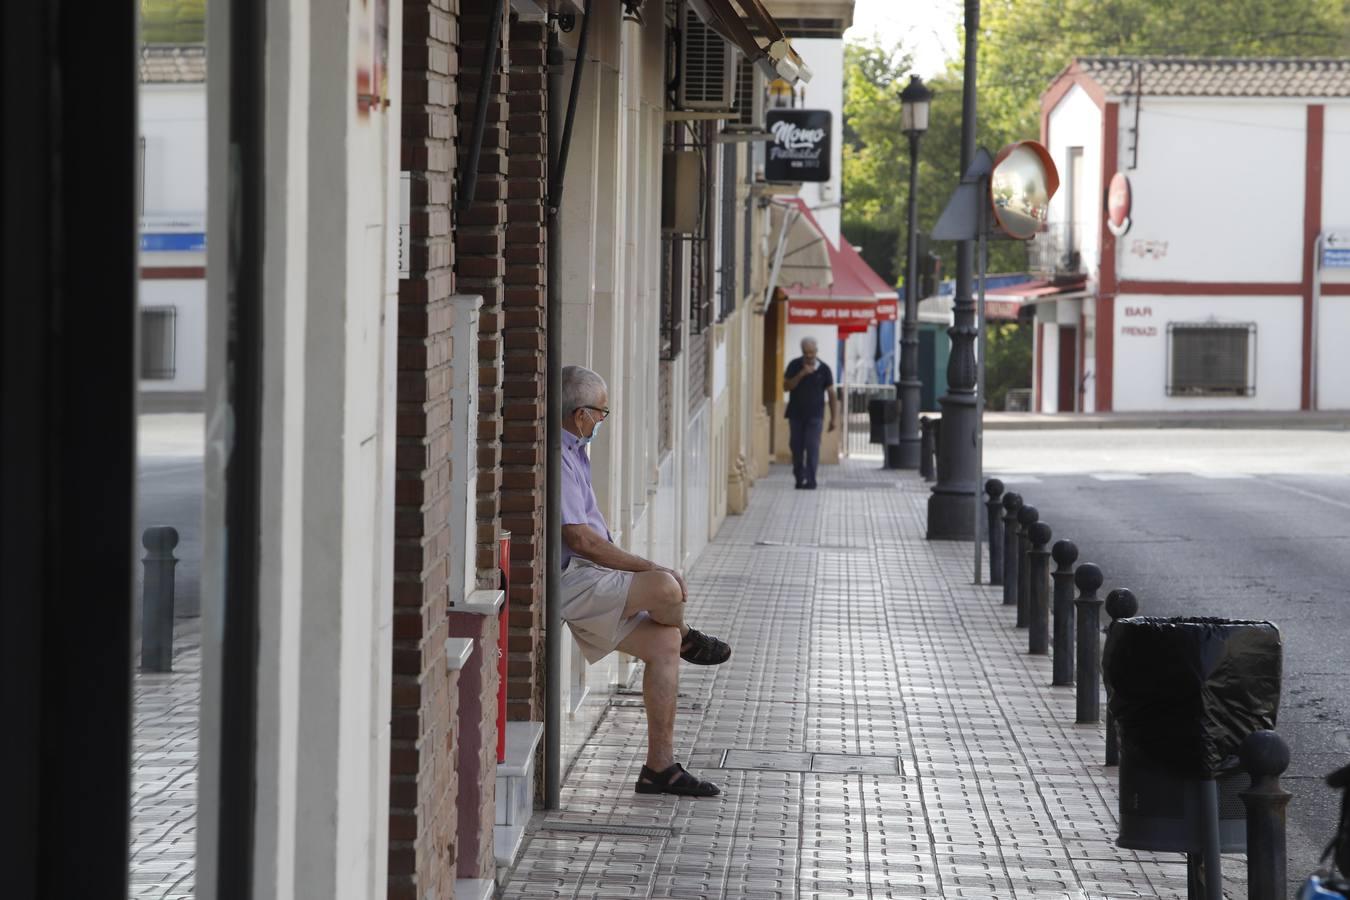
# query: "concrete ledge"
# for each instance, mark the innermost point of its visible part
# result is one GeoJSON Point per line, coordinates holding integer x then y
{"type": "Point", "coordinates": [457, 653]}
{"type": "Point", "coordinates": [522, 739]}
{"type": "Point", "coordinates": [475, 888]}
{"type": "Point", "coordinates": [483, 603]}
{"type": "Point", "coordinates": [506, 843]}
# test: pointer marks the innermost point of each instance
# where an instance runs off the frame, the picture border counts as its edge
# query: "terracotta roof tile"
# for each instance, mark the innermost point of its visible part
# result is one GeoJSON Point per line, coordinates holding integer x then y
{"type": "Point", "coordinates": [162, 64]}
{"type": "Point", "coordinates": [1162, 76]}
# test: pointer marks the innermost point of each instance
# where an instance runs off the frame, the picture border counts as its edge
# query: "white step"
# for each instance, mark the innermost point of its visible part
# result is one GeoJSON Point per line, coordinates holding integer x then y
{"type": "Point", "coordinates": [475, 888]}
{"type": "Point", "coordinates": [515, 789]}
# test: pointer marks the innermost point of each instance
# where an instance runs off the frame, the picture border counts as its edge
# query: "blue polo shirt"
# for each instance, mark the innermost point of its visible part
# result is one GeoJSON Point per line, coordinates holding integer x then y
{"type": "Point", "coordinates": [807, 399]}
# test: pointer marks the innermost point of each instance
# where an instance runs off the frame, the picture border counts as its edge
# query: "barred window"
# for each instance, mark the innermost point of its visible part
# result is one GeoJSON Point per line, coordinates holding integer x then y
{"type": "Point", "coordinates": [157, 343]}
{"type": "Point", "coordinates": [1211, 359]}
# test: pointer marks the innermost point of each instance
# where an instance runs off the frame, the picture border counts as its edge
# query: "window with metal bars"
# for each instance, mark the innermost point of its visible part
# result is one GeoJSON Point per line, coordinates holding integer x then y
{"type": "Point", "coordinates": [700, 244]}
{"type": "Point", "coordinates": [157, 343]}
{"type": "Point", "coordinates": [1210, 359]}
{"type": "Point", "coordinates": [672, 319]}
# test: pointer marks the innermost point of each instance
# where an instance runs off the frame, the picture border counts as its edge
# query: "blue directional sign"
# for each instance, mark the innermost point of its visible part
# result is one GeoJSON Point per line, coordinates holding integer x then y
{"type": "Point", "coordinates": [1336, 258]}
{"type": "Point", "coordinates": [173, 242]}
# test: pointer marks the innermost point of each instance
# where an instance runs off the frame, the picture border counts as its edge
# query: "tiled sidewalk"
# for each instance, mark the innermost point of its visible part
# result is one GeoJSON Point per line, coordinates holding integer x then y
{"type": "Point", "coordinates": [879, 732]}
{"type": "Point", "coordinates": [164, 773]}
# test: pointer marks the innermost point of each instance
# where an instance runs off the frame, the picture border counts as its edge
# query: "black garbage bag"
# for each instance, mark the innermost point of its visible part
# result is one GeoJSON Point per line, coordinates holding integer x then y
{"type": "Point", "coordinates": [1185, 692]}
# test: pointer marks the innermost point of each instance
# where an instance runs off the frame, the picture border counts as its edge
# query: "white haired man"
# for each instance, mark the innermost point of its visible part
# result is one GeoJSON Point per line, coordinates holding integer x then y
{"type": "Point", "coordinates": [808, 382]}
{"type": "Point", "coordinates": [613, 600]}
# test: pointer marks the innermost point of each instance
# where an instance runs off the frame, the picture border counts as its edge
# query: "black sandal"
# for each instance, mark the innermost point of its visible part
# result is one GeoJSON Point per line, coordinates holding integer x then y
{"type": "Point", "coordinates": [704, 649]}
{"type": "Point", "coordinates": [674, 780]}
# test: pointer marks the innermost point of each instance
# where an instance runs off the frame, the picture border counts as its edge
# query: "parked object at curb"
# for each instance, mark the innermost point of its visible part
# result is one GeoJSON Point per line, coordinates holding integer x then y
{"type": "Point", "coordinates": [1087, 608]}
{"type": "Point", "coordinates": [994, 489]}
{"type": "Point", "coordinates": [1120, 604]}
{"type": "Point", "coordinates": [1012, 505]}
{"type": "Point", "coordinates": [1334, 884]}
{"type": "Point", "coordinates": [1185, 694]}
{"type": "Point", "coordinates": [157, 597]}
{"type": "Point", "coordinates": [1265, 756]}
{"type": "Point", "coordinates": [1065, 554]}
{"type": "Point", "coordinates": [1026, 517]}
{"type": "Point", "coordinates": [1038, 604]}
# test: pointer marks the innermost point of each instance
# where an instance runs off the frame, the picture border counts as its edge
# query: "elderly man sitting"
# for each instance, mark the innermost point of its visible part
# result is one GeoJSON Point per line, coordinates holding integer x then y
{"type": "Point", "coordinates": [615, 600]}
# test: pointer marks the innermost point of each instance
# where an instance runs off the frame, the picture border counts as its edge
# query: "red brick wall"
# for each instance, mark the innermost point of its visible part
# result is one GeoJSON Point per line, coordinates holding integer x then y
{"type": "Point", "coordinates": [480, 263]}
{"type": "Point", "coordinates": [524, 437]}
{"type": "Point", "coordinates": [423, 779]}
{"type": "Point", "coordinates": [477, 746]}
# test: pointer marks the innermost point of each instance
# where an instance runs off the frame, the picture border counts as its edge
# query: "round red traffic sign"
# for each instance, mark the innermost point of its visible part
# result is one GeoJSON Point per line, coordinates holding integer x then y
{"type": "Point", "coordinates": [1118, 204]}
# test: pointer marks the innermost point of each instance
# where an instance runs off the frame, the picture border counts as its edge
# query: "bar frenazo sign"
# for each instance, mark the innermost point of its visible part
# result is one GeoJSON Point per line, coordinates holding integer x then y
{"type": "Point", "coordinates": [800, 146]}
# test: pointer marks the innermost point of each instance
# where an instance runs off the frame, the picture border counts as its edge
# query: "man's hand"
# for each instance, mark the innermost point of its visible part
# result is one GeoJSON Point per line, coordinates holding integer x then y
{"type": "Point", "coordinates": [832, 424]}
{"type": "Point", "coordinates": [809, 366]}
{"type": "Point", "coordinates": [679, 579]}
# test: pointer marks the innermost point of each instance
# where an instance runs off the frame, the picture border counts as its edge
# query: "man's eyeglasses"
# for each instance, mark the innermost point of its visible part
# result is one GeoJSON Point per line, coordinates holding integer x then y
{"type": "Point", "coordinates": [604, 411]}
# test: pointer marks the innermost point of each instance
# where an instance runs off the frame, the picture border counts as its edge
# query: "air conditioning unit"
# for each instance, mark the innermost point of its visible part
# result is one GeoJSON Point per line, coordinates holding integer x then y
{"type": "Point", "coordinates": [750, 97]}
{"type": "Point", "coordinates": [707, 66]}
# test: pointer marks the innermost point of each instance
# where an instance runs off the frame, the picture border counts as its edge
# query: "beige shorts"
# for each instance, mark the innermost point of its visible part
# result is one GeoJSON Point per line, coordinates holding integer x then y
{"type": "Point", "coordinates": [593, 599]}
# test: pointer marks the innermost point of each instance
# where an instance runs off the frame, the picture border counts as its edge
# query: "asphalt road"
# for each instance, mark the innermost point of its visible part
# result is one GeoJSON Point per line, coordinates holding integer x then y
{"type": "Point", "coordinates": [1238, 524]}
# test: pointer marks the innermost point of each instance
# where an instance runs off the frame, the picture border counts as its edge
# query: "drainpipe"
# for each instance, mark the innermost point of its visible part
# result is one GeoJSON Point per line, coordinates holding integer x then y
{"type": "Point", "coordinates": [559, 137]}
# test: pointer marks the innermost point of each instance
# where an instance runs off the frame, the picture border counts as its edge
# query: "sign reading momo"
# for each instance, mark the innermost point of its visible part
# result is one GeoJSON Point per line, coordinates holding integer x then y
{"type": "Point", "coordinates": [799, 145]}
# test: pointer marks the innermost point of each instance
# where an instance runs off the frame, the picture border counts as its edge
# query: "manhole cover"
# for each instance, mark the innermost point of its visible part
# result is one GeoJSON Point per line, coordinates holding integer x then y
{"type": "Point", "coordinates": [607, 828]}
{"type": "Point", "coordinates": [823, 763]}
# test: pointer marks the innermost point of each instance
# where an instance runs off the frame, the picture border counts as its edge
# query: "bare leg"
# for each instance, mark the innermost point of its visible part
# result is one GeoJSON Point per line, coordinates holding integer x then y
{"type": "Point", "coordinates": [659, 647]}
{"type": "Point", "coordinates": [657, 594]}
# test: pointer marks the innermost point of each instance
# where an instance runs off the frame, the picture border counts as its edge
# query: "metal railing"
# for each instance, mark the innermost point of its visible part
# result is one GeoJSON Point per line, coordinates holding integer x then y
{"type": "Point", "coordinates": [1057, 250]}
{"type": "Point", "coordinates": [857, 427]}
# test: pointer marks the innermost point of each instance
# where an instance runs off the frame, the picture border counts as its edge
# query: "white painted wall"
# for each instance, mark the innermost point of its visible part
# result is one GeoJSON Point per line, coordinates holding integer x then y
{"type": "Point", "coordinates": [325, 575]}
{"type": "Point", "coordinates": [1218, 192]}
{"type": "Point", "coordinates": [1047, 336]}
{"type": "Point", "coordinates": [1333, 365]}
{"type": "Point", "coordinates": [825, 57]}
{"type": "Point", "coordinates": [173, 123]}
{"type": "Point", "coordinates": [1333, 316]}
{"type": "Point", "coordinates": [1141, 358]}
{"type": "Point", "coordinates": [188, 299]}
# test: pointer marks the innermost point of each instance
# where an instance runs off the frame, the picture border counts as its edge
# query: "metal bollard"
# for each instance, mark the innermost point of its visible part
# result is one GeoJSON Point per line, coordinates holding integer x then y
{"type": "Point", "coordinates": [157, 599]}
{"type": "Point", "coordinates": [1065, 554]}
{"type": "Point", "coordinates": [1038, 635]}
{"type": "Point", "coordinates": [1088, 578]}
{"type": "Point", "coordinates": [1265, 756]}
{"type": "Point", "coordinates": [1026, 517]}
{"type": "Point", "coordinates": [994, 488]}
{"type": "Point", "coordinates": [1120, 604]}
{"type": "Point", "coordinates": [1012, 504]}
{"type": "Point", "coordinates": [926, 469]}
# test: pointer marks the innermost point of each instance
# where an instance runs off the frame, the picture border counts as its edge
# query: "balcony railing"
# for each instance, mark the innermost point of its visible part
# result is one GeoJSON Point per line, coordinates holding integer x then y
{"type": "Point", "coordinates": [1057, 250]}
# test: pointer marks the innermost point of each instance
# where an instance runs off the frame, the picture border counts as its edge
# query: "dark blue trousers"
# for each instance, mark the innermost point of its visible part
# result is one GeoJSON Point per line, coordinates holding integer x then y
{"type": "Point", "coordinates": [805, 443]}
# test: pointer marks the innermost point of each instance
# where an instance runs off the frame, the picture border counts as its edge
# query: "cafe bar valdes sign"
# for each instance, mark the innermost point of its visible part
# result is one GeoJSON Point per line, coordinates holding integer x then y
{"type": "Point", "coordinates": [799, 145]}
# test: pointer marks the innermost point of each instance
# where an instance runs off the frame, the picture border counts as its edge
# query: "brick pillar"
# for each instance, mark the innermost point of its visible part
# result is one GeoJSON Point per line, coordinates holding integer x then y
{"type": "Point", "coordinates": [480, 264]}
{"type": "Point", "coordinates": [524, 438]}
{"type": "Point", "coordinates": [423, 780]}
{"type": "Point", "coordinates": [480, 268]}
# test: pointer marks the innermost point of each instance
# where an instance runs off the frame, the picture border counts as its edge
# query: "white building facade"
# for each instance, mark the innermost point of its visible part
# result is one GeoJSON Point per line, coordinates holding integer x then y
{"type": "Point", "coordinates": [1193, 240]}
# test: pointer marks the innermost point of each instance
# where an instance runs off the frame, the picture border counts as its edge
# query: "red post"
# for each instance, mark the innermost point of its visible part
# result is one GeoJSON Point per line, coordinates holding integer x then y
{"type": "Point", "coordinates": [503, 624]}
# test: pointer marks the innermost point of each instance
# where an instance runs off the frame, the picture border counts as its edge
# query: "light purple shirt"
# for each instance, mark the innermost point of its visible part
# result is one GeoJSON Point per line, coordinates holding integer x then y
{"type": "Point", "coordinates": [578, 498]}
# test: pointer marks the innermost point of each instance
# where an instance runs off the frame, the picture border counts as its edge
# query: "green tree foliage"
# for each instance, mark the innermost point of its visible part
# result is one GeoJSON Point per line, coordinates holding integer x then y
{"type": "Point", "coordinates": [1025, 43]}
{"type": "Point", "coordinates": [876, 160]}
{"type": "Point", "coordinates": [1008, 364]}
{"type": "Point", "coordinates": [173, 21]}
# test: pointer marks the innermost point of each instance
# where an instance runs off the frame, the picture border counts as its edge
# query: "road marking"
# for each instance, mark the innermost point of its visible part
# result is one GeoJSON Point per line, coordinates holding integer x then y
{"type": "Point", "coordinates": [1018, 479]}
{"type": "Point", "coordinates": [1294, 490]}
{"type": "Point", "coordinates": [1118, 476]}
{"type": "Point", "coordinates": [1222, 476]}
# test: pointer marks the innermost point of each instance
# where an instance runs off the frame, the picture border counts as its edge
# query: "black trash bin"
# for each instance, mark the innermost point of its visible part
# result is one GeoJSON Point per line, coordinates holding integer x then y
{"type": "Point", "coordinates": [1184, 694]}
{"type": "Point", "coordinates": [883, 421]}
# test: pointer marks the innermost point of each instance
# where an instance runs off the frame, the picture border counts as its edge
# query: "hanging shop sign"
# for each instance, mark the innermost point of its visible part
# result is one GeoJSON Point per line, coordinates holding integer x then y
{"type": "Point", "coordinates": [888, 310]}
{"type": "Point", "coordinates": [799, 145]}
{"type": "Point", "coordinates": [831, 312]}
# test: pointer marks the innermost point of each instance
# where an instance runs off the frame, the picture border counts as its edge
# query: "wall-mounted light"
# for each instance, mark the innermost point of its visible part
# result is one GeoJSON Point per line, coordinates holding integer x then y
{"type": "Point", "coordinates": [632, 11]}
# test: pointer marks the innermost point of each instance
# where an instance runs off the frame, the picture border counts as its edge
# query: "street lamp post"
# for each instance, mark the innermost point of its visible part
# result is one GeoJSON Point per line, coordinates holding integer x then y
{"type": "Point", "coordinates": [915, 100]}
{"type": "Point", "coordinates": [951, 506]}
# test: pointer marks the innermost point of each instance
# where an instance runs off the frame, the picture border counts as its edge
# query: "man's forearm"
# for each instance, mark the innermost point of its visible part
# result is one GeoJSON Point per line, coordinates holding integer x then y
{"type": "Point", "coordinates": [834, 406]}
{"type": "Point", "coordinates": [604, 553]}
